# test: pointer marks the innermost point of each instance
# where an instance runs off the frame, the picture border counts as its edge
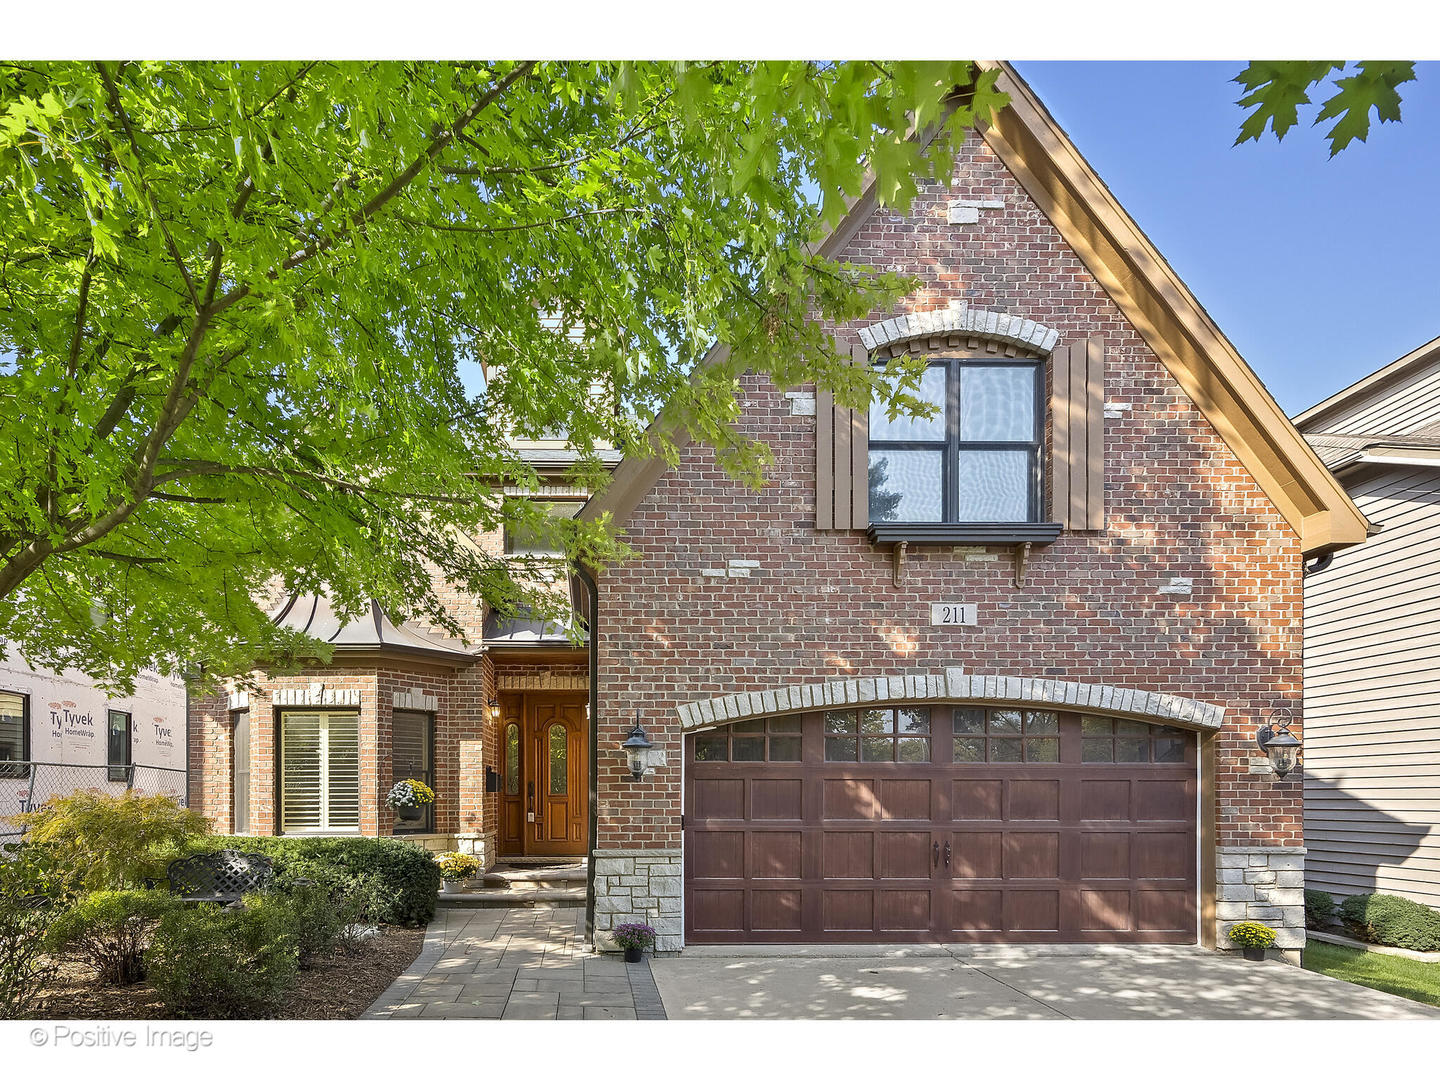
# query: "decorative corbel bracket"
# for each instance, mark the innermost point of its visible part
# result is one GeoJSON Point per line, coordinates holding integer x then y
{"type": "Point", "coordinates": [899, 549]}
{"type": "Point", "coordinates": [1022, 552]}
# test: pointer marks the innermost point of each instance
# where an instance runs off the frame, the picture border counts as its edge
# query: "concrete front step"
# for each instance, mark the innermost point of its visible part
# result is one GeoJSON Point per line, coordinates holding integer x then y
{"type": "Point", "coordinates": [569, 875]}
{"type": "Point", "coordinates": [498, 898]}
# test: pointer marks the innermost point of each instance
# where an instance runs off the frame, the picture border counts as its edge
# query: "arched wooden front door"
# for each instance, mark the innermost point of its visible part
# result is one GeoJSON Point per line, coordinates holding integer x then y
{"type": "Point", "coordinates": [543, 759]}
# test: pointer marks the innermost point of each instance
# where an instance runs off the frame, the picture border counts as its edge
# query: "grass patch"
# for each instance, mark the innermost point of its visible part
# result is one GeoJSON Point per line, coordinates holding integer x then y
{"type": "Point", "coordinates": [1392, 974]}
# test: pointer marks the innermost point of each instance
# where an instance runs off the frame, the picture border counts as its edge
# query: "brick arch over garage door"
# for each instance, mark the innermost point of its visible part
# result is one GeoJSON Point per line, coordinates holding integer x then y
{"type": "Point", "coordinates": [954, 685]}
{"type": "Point", "coordinates": [1020, 812]}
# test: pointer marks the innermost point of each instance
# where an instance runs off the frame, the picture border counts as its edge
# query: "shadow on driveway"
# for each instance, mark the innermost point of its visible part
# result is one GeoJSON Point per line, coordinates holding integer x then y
{"type": "Point", "coordinates": [1112, 982]}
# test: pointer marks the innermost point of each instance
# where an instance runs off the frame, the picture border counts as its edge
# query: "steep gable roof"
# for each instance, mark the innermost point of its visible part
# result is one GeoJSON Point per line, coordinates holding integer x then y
{"type": "Point", "coordinates": [1150, 295]}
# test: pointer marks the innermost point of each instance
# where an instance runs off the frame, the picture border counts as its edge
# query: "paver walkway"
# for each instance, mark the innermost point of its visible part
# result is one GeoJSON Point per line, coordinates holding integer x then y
{"type": "Point", "coordinates": [529, 963]}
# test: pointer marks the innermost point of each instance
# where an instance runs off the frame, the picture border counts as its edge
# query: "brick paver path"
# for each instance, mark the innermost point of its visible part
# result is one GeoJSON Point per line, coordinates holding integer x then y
{"type": "Point", "coordinates": [516, 964]}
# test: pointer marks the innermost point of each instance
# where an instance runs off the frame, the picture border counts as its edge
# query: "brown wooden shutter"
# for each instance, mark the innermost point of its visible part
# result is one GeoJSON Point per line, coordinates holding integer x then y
{"type": "Point", "coordinates": [842, 456]}
{"type": "Point", "coordinates": [1077, 412]}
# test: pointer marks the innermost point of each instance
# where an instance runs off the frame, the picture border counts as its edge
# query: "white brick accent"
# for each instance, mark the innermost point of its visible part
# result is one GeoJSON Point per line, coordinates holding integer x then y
{"type": "Point", "coordinates": [415, 698]}
{"type": "Point", "coordinates": [962, 320]}
{"type": "Point", "coordinates": [1177, 586]}
{"type": "Point", "coordinates": [315, 694]}
{"type": "Point", "coordinates": [953, 685]}
{"type": "Point", "coordinates": [239, 699]}
{"type": "Point", "coordinates": [802, 402]}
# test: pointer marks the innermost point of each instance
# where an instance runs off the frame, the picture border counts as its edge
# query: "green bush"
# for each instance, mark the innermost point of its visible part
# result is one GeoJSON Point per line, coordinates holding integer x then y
{"type": "Point", "coordinates": [114, 841]}
{"type": "Point", "coordinates": [318, 915]}
{"type": "Point", "coordinates": [225, 963]}
{"type": "Point", "coordinates": [1392, 920]}
{"type": "Point", "coordinates": [399, 880]}
{"type": "Point", "coordinates": [111, 930]}
{"type": "Point", "coordinates": [33, 893]}
{"type": "Point", "coordinates": [1319, 909]}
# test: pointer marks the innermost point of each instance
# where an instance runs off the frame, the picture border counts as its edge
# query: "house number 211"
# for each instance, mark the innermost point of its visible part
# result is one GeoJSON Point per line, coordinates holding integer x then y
{"type": "Point", "coordinates": [952, 615]}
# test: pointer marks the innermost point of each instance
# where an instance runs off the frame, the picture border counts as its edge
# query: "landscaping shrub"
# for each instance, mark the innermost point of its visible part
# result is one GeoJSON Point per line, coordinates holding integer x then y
{"type": "Point", "coordinates": [1392, 920]}
{"type": "Point", "coordinates": [1319, 909]}
{"type": "Point", "coordinates": [114, 841]}
{"type": "Point", "coordinates": [111, 930]}
{"type": "Point", "coordinates": [398, 880]}
{"type": "Point", "coordinates": [32, 895]}
{"type": "Point", "coordinates": [225, 963]}
{"type": "Point", "coordinates": [317, 914]}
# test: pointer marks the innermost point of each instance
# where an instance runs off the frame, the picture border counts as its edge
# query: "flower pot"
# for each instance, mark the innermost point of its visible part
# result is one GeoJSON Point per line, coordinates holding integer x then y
{"type": "Point", "coordinates": [410, 813]}
{"type": "Point", "coordinates": [1253, 952]}
{"type": "Point", "coordinates": [634, 954]}
{"type": "Point", "coordinates": [452, 885]}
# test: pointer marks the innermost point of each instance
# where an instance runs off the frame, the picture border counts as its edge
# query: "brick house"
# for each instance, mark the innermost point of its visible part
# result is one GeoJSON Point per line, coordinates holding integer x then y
{"type": "Point", "coordinates": [991, 676]}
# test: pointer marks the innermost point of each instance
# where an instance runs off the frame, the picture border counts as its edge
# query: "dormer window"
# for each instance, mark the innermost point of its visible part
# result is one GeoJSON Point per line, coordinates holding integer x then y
{"type": "Point", "coordinates": [977, 459]}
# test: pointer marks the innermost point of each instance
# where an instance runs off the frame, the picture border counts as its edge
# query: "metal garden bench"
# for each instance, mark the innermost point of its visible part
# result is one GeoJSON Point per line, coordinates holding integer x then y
{"type": "Point", "coordinates": [219, 877]}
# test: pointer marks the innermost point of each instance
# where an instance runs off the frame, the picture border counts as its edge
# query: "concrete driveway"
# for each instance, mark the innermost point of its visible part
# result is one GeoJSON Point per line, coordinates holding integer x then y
{"type": "Point", "coordinates": [1057, 982]}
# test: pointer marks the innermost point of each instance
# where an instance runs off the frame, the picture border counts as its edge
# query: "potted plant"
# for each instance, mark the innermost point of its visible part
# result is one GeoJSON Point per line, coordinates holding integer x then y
{"type": "Point", "coordinates": [1253, 938]}
{"type": "Point", "coordinates": [456, 868]}
{"type": "Point", "coordinates": [408, 798]}
{"type": "Point", "coordinates": [634, 938]}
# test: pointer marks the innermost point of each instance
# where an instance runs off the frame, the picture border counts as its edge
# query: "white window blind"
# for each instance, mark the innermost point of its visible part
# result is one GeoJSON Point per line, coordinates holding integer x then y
{"type": "Point", "coordinates": [319, 771]}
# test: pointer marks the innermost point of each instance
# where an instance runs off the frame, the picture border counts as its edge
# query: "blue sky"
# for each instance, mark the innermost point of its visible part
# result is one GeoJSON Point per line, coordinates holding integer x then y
{"type": "Point", "coordinates": [1319, 270]}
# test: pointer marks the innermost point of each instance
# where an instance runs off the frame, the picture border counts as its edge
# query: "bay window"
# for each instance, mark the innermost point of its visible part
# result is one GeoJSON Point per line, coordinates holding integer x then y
{"type": "Point", "coordinates": [319, 771]}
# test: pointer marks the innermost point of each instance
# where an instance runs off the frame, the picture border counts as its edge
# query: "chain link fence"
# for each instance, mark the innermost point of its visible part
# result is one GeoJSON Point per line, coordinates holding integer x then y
{"type": "Point", "coordinates": [26, 785]}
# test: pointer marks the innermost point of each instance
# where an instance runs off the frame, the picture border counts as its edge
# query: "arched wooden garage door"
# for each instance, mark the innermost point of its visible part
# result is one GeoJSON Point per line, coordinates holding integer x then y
{"type": "Point", "coordinates": [940, 823]}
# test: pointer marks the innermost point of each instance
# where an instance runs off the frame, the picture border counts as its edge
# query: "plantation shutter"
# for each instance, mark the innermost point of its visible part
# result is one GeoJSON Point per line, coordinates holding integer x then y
{"type": "Point", "coordinates": [1077, 411]}
{"type": "Point", "coordinates": [842, 456]}
{"type": "Point", "coordinates": [319, 771]}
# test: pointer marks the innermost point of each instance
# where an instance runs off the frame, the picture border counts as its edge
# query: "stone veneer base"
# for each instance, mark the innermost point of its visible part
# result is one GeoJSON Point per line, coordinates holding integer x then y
{"type": "Point", "coordinates": [639, 885]}
{"type": "Point", "coordinates": [481, 845]}
{"type": "Point", "coordinates": [1262, 884]}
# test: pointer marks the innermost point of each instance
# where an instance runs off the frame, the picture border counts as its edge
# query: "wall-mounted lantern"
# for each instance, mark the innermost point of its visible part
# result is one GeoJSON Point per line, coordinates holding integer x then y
{"type": "Point", "coordinates": [494, 706]}
{"type": "Point", "coordinates": [1282, 748]}
{"type": "Point", "coordinates": [637, 749]}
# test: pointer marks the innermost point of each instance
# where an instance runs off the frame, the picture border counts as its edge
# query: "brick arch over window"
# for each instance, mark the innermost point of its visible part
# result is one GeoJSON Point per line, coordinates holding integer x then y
{"type": "Point", "coordinates": [961, 321]}
{"type": "Point", "coordinates": [955, 685]}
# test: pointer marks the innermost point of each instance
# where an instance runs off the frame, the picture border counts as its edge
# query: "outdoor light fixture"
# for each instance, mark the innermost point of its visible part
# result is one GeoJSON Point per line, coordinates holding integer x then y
{"type": "Point", "coordinates": [637, 749]}
{"type": "Point", "coordinates": [1282, 748]}
{"type": "Point", "coordinates": [494, 706]}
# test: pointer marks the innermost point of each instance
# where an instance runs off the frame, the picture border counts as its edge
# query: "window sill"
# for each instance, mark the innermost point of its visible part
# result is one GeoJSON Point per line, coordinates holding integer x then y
{"type": "Point", "coordinates": [974, 532]}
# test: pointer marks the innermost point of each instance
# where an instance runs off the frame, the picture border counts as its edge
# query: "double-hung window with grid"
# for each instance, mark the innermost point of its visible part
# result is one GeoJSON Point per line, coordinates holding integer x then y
{"type": "Point", "coordinates": [977, 459]}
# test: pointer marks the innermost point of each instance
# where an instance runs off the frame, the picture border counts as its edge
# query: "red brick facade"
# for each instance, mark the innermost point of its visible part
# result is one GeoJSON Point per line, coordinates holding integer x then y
{"type": "Point", "coordinates": [823, 605]}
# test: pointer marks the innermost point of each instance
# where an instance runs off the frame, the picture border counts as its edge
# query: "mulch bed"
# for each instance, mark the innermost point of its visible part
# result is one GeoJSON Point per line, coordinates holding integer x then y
{"type": "Point", "coordinates": [339, 987]}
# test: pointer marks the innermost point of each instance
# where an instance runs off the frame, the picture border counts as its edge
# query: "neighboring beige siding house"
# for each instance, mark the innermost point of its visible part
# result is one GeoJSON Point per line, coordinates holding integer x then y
{"type": "Point", "coordinates": [1372, 642]}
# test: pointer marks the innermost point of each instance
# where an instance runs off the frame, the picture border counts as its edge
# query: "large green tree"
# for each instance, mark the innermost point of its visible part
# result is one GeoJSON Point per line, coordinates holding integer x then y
{"type": "Point", "coordinates": [237, 304]}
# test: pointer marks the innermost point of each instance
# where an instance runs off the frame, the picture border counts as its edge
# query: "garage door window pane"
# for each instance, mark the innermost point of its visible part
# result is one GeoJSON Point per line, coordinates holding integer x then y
{"type": "Point", "coordinates": [914, 721]}
{"type": "Point", "coordinates": [1004, 749]}
{"type": "Point", "coordinates": [840, 722]}
{"type": "Point", "coordinates": [1097, 750]}
{"type": "Point", "coordinates": [1169, 750]}
{"type": "Point", "coordinates": [877, 750]}
{"type": "Point", "coordinates": [711, 748]}
{"type": "Point", "coordinates": [785, 748]}
{"type": "Point", "coordinates": [839, 749]}
{"type": "Point", "coordinates": [968, 720]}
{"type": "Point", "coordinates": [1096, 725]}
{"type": "Point", "coordinates": [746, 727]}
{"type": "Point", "coordinates": [912, 749]}
{"type": "Point", "coordinates": [1042, 723]}
{"type": "Point", "coordinates": [877, 721]}
{"type": "Point", "coordinates": [751, 749]}
{"type": "Point", "coordinates": [1132, 750]}
{"type": "Point", "coordinates": [1046, 750]}
{"type": "Point", "coordinates": [1004, 722]}
{"type": "Point", "coordinates": [785, 723]}
{"type": "Point", "coordinates": [969, 749]}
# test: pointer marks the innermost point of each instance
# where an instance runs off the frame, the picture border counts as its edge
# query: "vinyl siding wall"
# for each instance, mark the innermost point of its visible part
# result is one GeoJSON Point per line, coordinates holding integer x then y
{"type": "Point", "coordinates": [1372, 697]}
{"type": "Point", "coordinates": [1414, 404]}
